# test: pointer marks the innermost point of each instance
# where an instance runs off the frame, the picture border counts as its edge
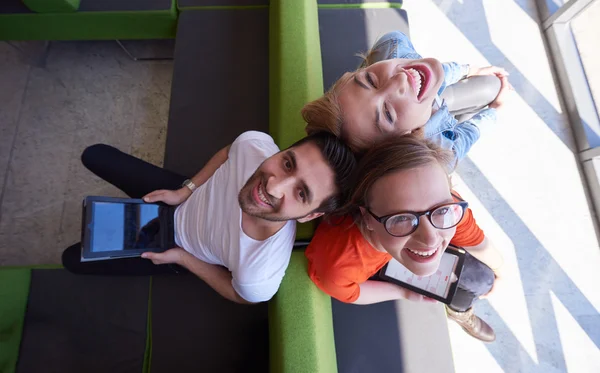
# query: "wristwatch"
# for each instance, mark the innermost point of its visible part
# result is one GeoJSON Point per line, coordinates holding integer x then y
{"type": "Point", "coordinates": [189, 184]}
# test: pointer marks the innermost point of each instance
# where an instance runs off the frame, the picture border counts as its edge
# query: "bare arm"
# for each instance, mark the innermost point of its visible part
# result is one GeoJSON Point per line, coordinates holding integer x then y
{"type": "Point", "coordinates": [378, 291]}
{"type": "Point", "coordinates": [217, 277]}
{"type": "Point", "coordinates": [176, 197]}
{"type": "Point", "coordinates": [211, 166]}
{"type": "Point", "coordinates": [487, 253]}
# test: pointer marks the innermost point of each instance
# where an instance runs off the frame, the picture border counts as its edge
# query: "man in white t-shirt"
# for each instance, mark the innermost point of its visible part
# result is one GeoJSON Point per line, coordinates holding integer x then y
{"type": "Point", "coordinates": [236, 220]}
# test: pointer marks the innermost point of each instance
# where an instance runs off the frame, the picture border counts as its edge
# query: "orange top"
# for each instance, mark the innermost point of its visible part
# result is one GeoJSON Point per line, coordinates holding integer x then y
{"type": "Point", "coordinates": [340, 258]}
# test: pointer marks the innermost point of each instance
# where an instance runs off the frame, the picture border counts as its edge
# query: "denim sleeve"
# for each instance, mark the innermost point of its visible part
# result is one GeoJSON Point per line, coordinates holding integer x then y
{"type": "Point", "coordinates": [468, 132]}
{"type": "Point", "coordinates": [394, 44]}
{"type": "Point", "coordinates": [453, 72]}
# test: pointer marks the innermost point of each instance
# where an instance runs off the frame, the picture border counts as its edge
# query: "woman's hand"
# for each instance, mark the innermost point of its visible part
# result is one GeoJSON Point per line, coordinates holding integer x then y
{"type": "Point", "coordinates": [504, 95]}
{"type": "Point", "coordinates": [416, 297]}
{"type": "Point", "coordinates": [488, 70]}
{"type": "Point", "coordinates": [170, 197]}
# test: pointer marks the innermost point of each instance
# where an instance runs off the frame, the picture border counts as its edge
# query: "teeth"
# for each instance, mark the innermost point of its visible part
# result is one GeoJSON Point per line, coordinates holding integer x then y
{"type": "Point", "coordinates": [421, 253]}
{"type": "Point", "coordinates": [262, 196]}
{"type": "Point", "coordinates": [419, 77]}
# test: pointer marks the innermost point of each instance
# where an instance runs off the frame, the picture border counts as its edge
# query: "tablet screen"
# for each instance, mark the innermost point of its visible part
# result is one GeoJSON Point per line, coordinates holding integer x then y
{"type": "Point", "coordinates": [120, 226]}
{"type": "Point", "coordinates": [438, 283]}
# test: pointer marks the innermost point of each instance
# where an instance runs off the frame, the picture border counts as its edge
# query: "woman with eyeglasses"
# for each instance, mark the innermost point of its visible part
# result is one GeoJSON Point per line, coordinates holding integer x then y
{"type": "Point", "coordinates": [402, 207]}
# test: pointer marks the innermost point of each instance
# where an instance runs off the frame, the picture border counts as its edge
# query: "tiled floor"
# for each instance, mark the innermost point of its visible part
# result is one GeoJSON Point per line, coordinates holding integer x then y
{"type": "Point", "coordinates": [87, 92]}
{"type": "Point", "coordinates": [522, 180]}
{"type": "Point", "coordinates": [523, 183]}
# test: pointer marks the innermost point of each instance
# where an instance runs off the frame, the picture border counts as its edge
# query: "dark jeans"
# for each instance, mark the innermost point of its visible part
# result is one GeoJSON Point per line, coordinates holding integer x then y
{"type": "Point", "coordinates": [476, 280]}
{"type": "Point", "coordinates": [136, 178]}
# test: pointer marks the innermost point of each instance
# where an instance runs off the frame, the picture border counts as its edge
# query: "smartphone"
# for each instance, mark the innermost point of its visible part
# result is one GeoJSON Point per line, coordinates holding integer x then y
{"type": "Point", "coordinates": [440, 286]}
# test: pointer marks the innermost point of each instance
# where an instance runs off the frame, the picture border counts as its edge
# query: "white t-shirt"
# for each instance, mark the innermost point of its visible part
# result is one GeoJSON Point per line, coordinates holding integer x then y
{"type": "Point", "coordinates": [209, 223]}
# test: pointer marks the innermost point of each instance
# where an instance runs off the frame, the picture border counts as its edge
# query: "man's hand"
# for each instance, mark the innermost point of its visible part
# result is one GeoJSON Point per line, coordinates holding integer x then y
{"type": "Point", "coordinates": [175, 256]}
{"type": "Point", "coordinates": [504, 95]}
{"type": "Point", "coordinates": [170, 197]}
{"type": "Point", "coordinates": [488, 70]}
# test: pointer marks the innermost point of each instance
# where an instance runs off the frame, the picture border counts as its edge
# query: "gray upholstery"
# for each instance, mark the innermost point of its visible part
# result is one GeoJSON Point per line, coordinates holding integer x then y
{"type": "Point", "coordinates": [357, 1]}
{"type": "Point", "coordinates": [220, 84]}
{"type": "Point", "coordinates": [193, 3]}
{"type": "Point", "coordinates": [13, 6]}
{"type": "Point", "coordinates": [194, 329]}
{"type": "Point", "coordinates": [346, 32]}
{"type": "Point", "coordinates": [86, 324]}
{"type": "Point", "coordinates": [123, 5]}
{"type": "Point", "coordinates": [398, 336]}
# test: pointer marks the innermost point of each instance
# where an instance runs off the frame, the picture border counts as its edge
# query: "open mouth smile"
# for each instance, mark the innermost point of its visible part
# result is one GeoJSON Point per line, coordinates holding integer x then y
{"type": "Point", "coordinates": [422, 256]}
{"type": "Point", "coordinates": [420, 77]}
{"type": "Point", "coordinates": [260, 197]}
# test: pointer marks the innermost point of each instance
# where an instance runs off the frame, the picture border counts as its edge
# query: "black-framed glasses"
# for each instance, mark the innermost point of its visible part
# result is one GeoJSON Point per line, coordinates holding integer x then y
{"type": "Point", "coordinates": [403, 223]}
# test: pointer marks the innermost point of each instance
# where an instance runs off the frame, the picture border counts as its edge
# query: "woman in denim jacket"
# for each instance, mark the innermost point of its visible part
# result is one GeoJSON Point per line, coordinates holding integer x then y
{"type": "Point", "coordinates": [397, 91]}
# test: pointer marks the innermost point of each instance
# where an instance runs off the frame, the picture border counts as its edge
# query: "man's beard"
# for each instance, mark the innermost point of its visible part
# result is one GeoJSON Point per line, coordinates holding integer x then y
{"type": "Point", "coordinates": [248, 204]}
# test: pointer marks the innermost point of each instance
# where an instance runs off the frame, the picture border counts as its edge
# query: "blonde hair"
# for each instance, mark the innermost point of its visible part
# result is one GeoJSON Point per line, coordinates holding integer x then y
{"type": "Point", "coordinates": [396, 153]}
{"type": "Point", "coordinates": [325, 113]}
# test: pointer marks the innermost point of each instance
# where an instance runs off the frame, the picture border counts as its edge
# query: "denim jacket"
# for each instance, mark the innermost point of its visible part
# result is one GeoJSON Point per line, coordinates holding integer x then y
{"type": "Point", "coordinates": [442, 127]}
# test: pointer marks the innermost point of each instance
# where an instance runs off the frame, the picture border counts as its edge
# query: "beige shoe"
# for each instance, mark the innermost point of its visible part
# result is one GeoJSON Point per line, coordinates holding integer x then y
{"type": "Point", "coordinates": [472, 324]}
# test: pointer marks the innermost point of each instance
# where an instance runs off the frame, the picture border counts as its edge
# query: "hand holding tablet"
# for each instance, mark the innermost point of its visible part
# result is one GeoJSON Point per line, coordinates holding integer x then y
{"type": "Point", "coordinates": [121, 228]}
{"type": "Point", "coordinates": [440, 286]}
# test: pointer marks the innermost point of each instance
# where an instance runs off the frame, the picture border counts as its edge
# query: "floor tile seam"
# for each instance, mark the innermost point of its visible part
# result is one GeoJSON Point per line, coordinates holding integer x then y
{"type": "Point", "coordinates": [14, 139]}
{"type": "Point", "coordinates": [135, 119]}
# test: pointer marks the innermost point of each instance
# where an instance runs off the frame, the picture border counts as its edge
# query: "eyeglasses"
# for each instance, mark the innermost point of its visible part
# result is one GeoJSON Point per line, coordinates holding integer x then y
{"type": "Point", "coordinates": [404, 223]}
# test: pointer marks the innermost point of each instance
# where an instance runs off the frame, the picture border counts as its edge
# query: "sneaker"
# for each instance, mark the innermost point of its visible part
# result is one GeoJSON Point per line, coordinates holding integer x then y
{"type": "Point", "coordinates": [473, 325]}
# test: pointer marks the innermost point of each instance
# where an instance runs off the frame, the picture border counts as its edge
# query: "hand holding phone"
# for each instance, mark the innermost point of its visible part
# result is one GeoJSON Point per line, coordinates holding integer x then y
{"type": "Point", "coordinates": [440, 286]}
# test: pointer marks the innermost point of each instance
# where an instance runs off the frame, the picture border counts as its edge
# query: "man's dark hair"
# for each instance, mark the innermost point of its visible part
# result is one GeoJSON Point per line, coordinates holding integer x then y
{"type": "Point", "coordinates": [342, 162]}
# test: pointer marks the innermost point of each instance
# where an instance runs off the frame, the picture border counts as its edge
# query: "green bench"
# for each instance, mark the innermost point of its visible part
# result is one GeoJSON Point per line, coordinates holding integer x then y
{"type": "Point", "coordinates": [287, 60]}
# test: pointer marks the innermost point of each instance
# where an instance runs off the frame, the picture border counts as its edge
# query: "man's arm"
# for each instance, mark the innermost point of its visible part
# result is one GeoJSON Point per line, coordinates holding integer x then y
{"type": "Point", "coordinates": [379, 291]}
{"type": "Point", "coordinates": [176, 197]}
{"type": "Point", "coordinates": [211, 166]}
{"type": "Point", "coordinates": [217, 277]}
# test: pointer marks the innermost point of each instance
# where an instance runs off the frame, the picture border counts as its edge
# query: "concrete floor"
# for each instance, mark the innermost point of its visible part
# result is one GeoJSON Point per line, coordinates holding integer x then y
{"type": "Point", "coordinates": [522, 180]}
{"type": "Point", "coordinates": [526, 191]}
{"type": "Point", "coordinates": [85, 93]}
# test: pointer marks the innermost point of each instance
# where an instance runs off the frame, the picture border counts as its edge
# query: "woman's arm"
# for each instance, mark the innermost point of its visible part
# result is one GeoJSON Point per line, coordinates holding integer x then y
{"type": "Point", "coordinates": [487, 253]}
{"type": "Point", "coordinates": [379, 291]}
{"type": "Point", "coordinates": [454, 72]}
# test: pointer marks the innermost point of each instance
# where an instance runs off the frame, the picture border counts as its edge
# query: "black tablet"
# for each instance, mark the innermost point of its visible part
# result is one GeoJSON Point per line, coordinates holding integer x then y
{"type": "Point", "coordinates": [440, 286]}
{"type": "Point", "coordinates": [121, 227]}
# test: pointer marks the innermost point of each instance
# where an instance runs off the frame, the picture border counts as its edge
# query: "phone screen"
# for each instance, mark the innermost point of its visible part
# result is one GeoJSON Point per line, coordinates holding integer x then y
{"type": "Point", "coordinates": [438, 283]}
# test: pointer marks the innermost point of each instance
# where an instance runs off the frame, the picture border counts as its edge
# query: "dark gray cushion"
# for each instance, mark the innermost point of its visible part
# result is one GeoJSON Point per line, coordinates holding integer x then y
{"type": "Point", "coordinates": [366, 337]}
{"type": "Point", "coordinates": [13, 6]}
{"type": "Point", "coordinates": [398, 336]}
{"type": "Point", "coordinates": [220, 84]}
{"type": "Point", "coordinates": [123, 5]}
{"type": "Point", "coordinates": [346, 32]}
{"type": "Point", "coordinates": [189, 3]}
{"type": "Point", "coordinates": [357, 1]}
{"type": "Point", "coordinates": [84, 323]}
{"type": "Point", "coordinates": [194, 329]}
